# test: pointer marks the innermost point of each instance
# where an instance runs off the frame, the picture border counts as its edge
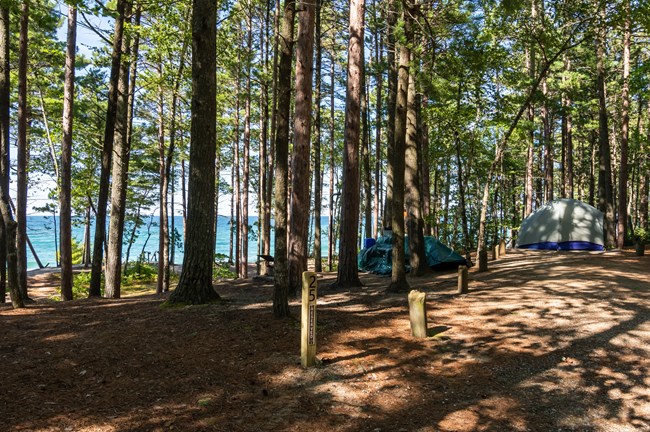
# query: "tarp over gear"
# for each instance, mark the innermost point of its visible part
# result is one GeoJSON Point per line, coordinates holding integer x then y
{"type": "Point", "coordinates": [378, 258]}
{"type": "Point", "coordinates": [564, 224]}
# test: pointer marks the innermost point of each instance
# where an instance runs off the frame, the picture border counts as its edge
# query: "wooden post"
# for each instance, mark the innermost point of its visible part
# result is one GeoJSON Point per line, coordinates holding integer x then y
{"type": "Point", "coordinates": [495, 252]}
{"type": "Point", "coordinates": [308, 321]}
{"type": "Point", "coordinates": [482, 261]}
{"type": "Point", "coordinates": [639, 248]}
{"type": "Point", "coordinates": [463, 280]}
{"type": "Point", "coordinates": [502, 247]}
{"type": "Point", "coordinates": [418, 313]}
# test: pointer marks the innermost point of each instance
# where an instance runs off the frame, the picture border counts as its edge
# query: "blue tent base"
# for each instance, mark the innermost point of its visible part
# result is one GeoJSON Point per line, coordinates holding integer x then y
{"type": "Point", "coordinates": [564, 246]}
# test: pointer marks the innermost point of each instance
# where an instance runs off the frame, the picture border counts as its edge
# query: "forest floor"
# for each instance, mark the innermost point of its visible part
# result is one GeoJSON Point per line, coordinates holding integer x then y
{"type": "Point", "coordinates": [544, 341]}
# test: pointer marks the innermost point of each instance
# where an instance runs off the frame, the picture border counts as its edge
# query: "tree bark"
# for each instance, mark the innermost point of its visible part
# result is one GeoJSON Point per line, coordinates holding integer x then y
{"type": "Point", "coordinates": [119, 173]}
{"type": "Point", "coordinates": [247, 145]}
{"type": "Point", "coordinates": [265, 168]}
{"type": "Point", "coordinates": [65, 219]}
{"type": "Point", "coordinates": [391, 19]}
{"type": "Point", "coordinates": [625, 121]}
{"type": "Point", "coordinates": [195, 283]}
{"type": "Point", "coordinates": [461, 188]}
{"type": "Point", "coordinates": [318, 181]}
{"type": "Point", "coordinates": [378, 137]}
{"type": "Point", "coordinates": [281, 268]}
{"type": "Point", "coordinates": [398, 276]}
{"type": "Point", "coordinates": [22, 153]}
{"type": "Point", "coordinates": [300, 157]}
{"type": "Point", "coordinates": [163, 279]}
{"type": "Point", "coordinates": [605, 195]}
{"type": "Point", "coordinates": [548, 145]}
{"type": "Point", "coordinates": [414, 222]}
{"type": "Point", "coordinates": [365, 155]}
{"type": "Point", "coordinates": [5, 92]}
{"type": "Point", "coordinates": [348, 271]}
{"type": "Point", "coordinates": [107, 154]}
{"type": "Point", "coordinates": [330, 229]}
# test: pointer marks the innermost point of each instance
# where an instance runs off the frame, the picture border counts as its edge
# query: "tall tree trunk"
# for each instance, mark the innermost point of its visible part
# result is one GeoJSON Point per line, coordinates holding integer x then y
{"type": "Point", "coordinates": [247, 145]}
{"type": "Point", "coordinates": [318, 181]}
{"type": "Point", "coordinates": [195, 283]}
{"type": "Point", "coordinates": [163, 225]}
{"type": "Point", "coordinates": [425, 167]}
{"type": "Point", "coordinates": [107, 154]}
{"type": "Point", "coordinates": [236, 186]}
{"type": "Point", "coordinates": [22, 153]}
{"type": "Point", "coordinates": [300, 158]}
{"type": "Point", "coordinates": [567, 136]}
{"type": "Point", "coordinates": [391, 19]}
{"type": "Point", "coordinates": [378, 137]}
{"type": "Point", "coordinates": [281, 268]}
{"type": "Point", "coordinates": [330, 229]}
{"type": "Point", "coordinates": [66, 157]}
{"type": "Point", "coordinates": [265, 168]}
{"type": "Point", "coordinates": [414, 223]}
{"type": "Point", "coordinates": [530, 154]}
{"type": "Point", "coordinates": [398, 277]}
{"type": "Point", "coordinates": [365, 155]}
{"type": "Point", "coordinates": [462, 186]}
{"type": "Point", "coordinates": [5, 92]}
{"type": "Point", "coordinates": [119, 173]}
{"type": "Point", "coordinates": [548, 145]}
{"type": "Point", "coordinates": [348, 271]}
{"type": "Point", "coordinates": [605, 195]}
{"type": "Point", "coordinates": [644, 175]}
{"type": "Point", "coordinates": [163, 279]}
{"type": "Point", "coordinates": [623, 171]}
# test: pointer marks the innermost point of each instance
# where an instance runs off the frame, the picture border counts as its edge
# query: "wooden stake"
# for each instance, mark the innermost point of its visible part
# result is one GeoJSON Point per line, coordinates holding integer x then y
{"type": "Point", "coordinates": [308, 321]}
{"type": "Point", "coordinates": [502, 247]}
{"type": "Point", "coordinates": [418, 313]}
{"type": "Point", "coordinates": [495, 252]}
{"type": "Point", "coordinates": [482, 261]}
{"type": "Point", "coordinates": [463, 280]}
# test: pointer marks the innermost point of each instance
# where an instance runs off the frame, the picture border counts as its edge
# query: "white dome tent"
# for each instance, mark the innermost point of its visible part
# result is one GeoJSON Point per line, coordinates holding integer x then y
{"type": "Point", "coordinates": [564, 224]}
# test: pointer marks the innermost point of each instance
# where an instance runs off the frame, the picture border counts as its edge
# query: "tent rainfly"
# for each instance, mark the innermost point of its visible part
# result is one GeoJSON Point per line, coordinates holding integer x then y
{"type": "Point", "coordinates": [564, 224]}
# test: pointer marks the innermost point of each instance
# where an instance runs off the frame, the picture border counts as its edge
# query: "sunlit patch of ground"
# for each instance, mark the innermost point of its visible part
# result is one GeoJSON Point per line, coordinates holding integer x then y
{"type": "Point", "coordinates": [544, 341]}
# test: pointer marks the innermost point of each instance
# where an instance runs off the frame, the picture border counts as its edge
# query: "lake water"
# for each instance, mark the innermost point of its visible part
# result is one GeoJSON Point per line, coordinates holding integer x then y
{"type": "Point", "coordinates": [41, 232]}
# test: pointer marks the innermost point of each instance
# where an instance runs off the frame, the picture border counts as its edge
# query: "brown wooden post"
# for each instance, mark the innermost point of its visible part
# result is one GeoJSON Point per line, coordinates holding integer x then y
{"type": "Point", "coordinates": [418, 313]}
{"type": "Point", "coordinates": [502, 247]}
{"type": "Point", "coordinates": [463, 280]}
{"type": "Point", "coordinates": [308, 321]}
{"type": "Point", "coordinates": [482, 261]}
{"type": "Point", "coordinates": [495, 252]}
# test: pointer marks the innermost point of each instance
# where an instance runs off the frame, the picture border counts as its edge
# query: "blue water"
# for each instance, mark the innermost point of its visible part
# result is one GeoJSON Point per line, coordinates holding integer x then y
{"type": "Point", "coordinates": [41, 232]}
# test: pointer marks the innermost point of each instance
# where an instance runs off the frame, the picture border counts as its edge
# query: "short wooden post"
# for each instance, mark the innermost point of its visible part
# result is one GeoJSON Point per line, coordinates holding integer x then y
{"type": "Point", "coordinates": [463, 280]}
{"type": "Point", "coordinates": [639, 248]}
{"type": "Point", "coordinates": [495, 252]}
{"type": "Point", "coordinates": [502, 247]}
{"type": "Point", "coordinates": [308, 321]}
{"type": "Point", "coordinates": [418, 313]}
{"type": "Point", "coordinates": [482, 261]}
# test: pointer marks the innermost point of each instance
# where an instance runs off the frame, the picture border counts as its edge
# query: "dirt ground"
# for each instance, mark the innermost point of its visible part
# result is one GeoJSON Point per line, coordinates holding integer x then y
{"type": "Point", "coordinates": [544, 341]}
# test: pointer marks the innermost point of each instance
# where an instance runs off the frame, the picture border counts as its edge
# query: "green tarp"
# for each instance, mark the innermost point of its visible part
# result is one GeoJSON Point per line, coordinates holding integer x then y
{"type": "Point", "coordinates": [378, 258]}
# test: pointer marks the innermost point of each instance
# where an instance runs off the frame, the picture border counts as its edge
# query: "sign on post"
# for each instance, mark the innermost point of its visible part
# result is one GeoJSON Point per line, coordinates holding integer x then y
{"type": "Point", "coordinates": [308, 321]}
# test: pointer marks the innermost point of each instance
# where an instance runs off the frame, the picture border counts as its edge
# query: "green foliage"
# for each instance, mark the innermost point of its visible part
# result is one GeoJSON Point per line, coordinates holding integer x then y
{"type": "Point", "coordinates": [80, 284]}
{"type": "Point", "coordinates": [140, 273]}
{"type": "Point", "coordinates": [77, 252]}
{"type": "Point", "coordinates": [221, 267]}
{"type": "Point", "coordinates": [642, 235]}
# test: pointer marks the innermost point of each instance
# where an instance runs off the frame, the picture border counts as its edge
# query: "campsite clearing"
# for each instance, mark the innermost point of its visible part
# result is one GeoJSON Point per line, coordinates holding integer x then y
{"type": "Point", "coordinates": [544, 341]}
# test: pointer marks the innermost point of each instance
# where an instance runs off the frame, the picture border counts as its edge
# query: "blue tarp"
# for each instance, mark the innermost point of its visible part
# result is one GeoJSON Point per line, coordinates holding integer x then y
{"type": "Point", "coordinates": [378, 258]}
